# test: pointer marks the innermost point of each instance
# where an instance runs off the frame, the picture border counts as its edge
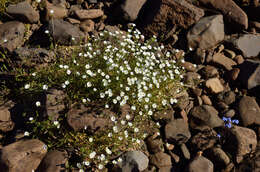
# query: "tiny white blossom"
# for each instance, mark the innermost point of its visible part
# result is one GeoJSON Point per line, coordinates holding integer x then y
{"type": "Point", "coordinates": [128, 117]}
{"type": "Point", "coordinates": [86, 163]}
{"type": "Point", "coordinates": [46, 31]}
{"type": "Point", "coordinates": [45, 87]}
{"type": "Point", "coordinates": [51, 11]}
{"type": "Point", "coordinates": [109, 135]}
{"type": "Point", "coordinates": [100, 166]}
{"type": "Point", "coordinates": [27, 86]}
{"type": "Point", "coordinates": [113, 118]}
{"type": "Point", "coordinates": [56, 122]}
{"type": "Point", "coordinates": [115, 129]}
{"type": "Point", "coordinates": [31, 118]}
{"type": "Point", "coordinates": [108, 151]}
{"type": "Point", "coordinates": [90, 139]}
{"type": "Point", "coordinates": [38, 103]}
{"type": "Point", "coordinates": [26, 133]}
{"type": "Point", "coordinates": [68, 72]}
{"type": "Point", "coordinates": [136, 130]}
{"type": "Point", "coordinates": [92, 155]}
{"type": "Point", "coordinates": [84, 100]}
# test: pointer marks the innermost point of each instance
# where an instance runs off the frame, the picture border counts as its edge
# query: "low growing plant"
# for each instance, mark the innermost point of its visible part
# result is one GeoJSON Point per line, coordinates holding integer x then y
{"type": "Point", "coordinates": [113, 69]}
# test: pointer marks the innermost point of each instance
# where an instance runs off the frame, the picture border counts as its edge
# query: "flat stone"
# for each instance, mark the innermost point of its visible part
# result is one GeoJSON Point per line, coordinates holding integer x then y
{"type": "Point", "coordinates": [206, 115]}
{"type": "Point", "coordinates": [218, 157]}
{"type": "Point", "coordinates": [134, 160]}
{"type": "Point", "coordinates": [54, 161]}
{"type": "Point", "coordinates": [214, 85]}
{"type": "Point", "coordinates": [249, 44]}
{"type": "Point", "coordinates": [206, 33]}
{"type": "Point", "coordinates": [73, 21]}
{"type": "Point", "coordinates": [209, 72]}
{"type": "Point", "coordinates": [89, 14]}
{"type": "Point", "coordinates": [249, 111]}
{"type": "Point", "coordinates": [239, 59]}
{"type": "Point", "coordinates": [21, 156]}
{"type": "Point", "coordinates": [231, 11]}
{"type": "Point", "coordinates": [224, 61]}
{"type": "Point", "coordinates": [11, 35]}
{"type": "Point", "coordinates": [204, 140]}
{"type": "Point", "coordinates": [206, 100]}
{"type": "Point", "coordinates": [228, 97]}
{"type": "Point", "coordinates": [24, 12]}
{"type": "Point", "coordinates": [154, 145]}
{"type": "Point", "coordinates": [177, 131]}
{"type": "Point", "coordinates": [158, 16]}
{"type": "Point", "coordinates": [201, 164]}
{"type": "Point", "coordinates": [130, 9]}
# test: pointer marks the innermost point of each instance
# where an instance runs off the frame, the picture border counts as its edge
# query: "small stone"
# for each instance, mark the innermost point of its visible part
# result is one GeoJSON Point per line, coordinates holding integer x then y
{"type": "Point", "coordinates": [233, 74]}
{"type": "Point", "coordinates": [6, 123]}
{"type": "Point", "coordinates": [224, 61]}
{"type": "Point", "coordinates": [134, 160]}
{"type": "Point", "coordinates": [201, 164]}
{"type": "Point", "coordinates": [89, 14]}
{"type": "Point", "coordinates": [154, 145]}
{"type": "Point", "coordinates": [209, 72]}
{"type": "Point", "coordinates": [239, 59]}
{"type": "Point", "coordinates": [214, 85]}
{"type": "Point", "coordinates": [197, 91]}
{"type": "Point", "coordinates": [131, 8]}
{"type": "Point", "coordinates": [218, 157]}
{"type": "Point", "coordinates": [204, 139]}
{"type": "Point", "coordinates": [229, 53]}
{"type": "Point", "coordinates": [206, 100]}
{"type": "Point", "coordinates": [230, 113]}
{"type": "Point", "coordinates": [160, 160]}
{"type": "Point", "coordinates": [87, 26]}
{"type": "Point", "coordinates": [73, 21]}
{"type": "Point", "coordinates": [185, 151]}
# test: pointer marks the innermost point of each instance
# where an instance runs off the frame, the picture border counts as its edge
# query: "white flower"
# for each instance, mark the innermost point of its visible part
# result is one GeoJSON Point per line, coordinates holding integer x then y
{"type": "Point", "coordinates": [27, 86]}
{"type": "Point", "coordinates": [45, 87]}
{"type": "Point", "coordinates": [84, 100]}
{"type": "Point", "coordinates": [5, 40]}
{"type": "Point", "coordinates": [115, 129]}
{"type": "Point", "coordinates": [51, 11]}
{"type": "Point", "coordinates": [26, 133]}
{"type": "Point", "coordinates": [34, 74]}
{"type": "Point", "coordinates": [120, 159]}
{"type": "Point", "coordinates": [106, 106]}
{"type": "Point", "coordinates": [81, 170]}
{"type": "Point", "coordinates": [100, 166]}
{"type": "Point", "coordinates": [90, 139]}
{"type": "Point", "coordinates": [136, 130]}
{"type": "Point", "coordinates": [138, 141]}
{"type": "Point", "coordinates": [130, 124]}
{"type": "Point", "coordinates": [79, 165]}
{"type": "Point", "coordinates": [56, 123]}
{"type": "Point", "coordinates": [150, 112]}
{"type": "Point", "coordinates": [123, 122]}
{"type": "Point", "coordinates": [46, 31]}
{"type": "Point", "coordinates": [38, 103]}
{"type": "Point", "coordinates": [113, 118]}
{"type": "Point", "coordinates": [128, 117]}
{"type": "Point", "coordinates": [67, 82]}
{"type": "Point", "coordinates": [173, 101]}
{"type": "Point", "coordinates": [63, 85]}
{"type": "Point", "coordinates": [31, 118]}
{"type": "Point", "coordinates": [108, 151]}
{"type": "Point", "coordinates": [102, 157]}
{"type": "Point", "coordinates": [92, 155]}
{"type": "Point", "coordinates": [120, 138]}
{"type": "Point", "coordinates": [164, 102]}
{"type": "Point", "coordinates": [72, 38]}
{"type": "Point", "coordinates": [86, 163]}
{"type": "Point", "coordinates": [133, 107]}
{"type": "Point", "coordinates": [109, 135]}
{"type": "Point", "coordinates": [68, 72]}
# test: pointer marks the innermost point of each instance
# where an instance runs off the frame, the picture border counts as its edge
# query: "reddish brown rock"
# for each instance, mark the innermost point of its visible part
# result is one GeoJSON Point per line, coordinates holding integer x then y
{"type": "Point", "coordinates": [224, 61]}
{"type": "Point", "coordinates": [89, 14]}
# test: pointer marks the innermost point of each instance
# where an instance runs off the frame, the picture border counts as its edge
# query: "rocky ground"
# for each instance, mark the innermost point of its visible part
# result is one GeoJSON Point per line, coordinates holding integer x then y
{"type": "Point", "coordinates": [216, 124]}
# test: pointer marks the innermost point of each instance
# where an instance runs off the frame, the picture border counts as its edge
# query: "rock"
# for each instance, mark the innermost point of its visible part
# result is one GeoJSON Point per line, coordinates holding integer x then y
{"type": "Point", "coordinates": [87, 26]}
{"type": "Point", "coordinates": [65, 33]}
{"type": "Point", "coordinates": [165, 115]}
{"type": "Point", "coordinates": [201, 164]}
{"type": "Point", "coordinates": [73, 21]}
{"type": "Point", "coordinates": [249, 73]}
{"type": "Point", "coordinates": [191, 78]}
{"type": "Point", "coordinates": [197, 91]}
{"type": "Point", "coordinates": [230, 113]}
{"type": "Point", "coordinates": [224, 61]}
{"type": "Point", "coordinates": [200, 56]}
{"type": "Point", "coordinates": [11, 35]}
{"type": "Point", "coordinates": [218, 157]}
{"type": "Point", "coordinates": [24, 12]}
{"type": "Point", "coordinates": [32, 57]}
{"type": "Point", "coordinates": [81, 117]}
{"type": "Point", "coordinates": [89, 14]}
{"type": "Point", "coordinates": [206, 33]}
{"type": "Point", "coordinates": [204, 139]}
{"type": "Point", "coordinates": [248, 44]}
{"type": "Point", "coordinates": [239, 59]}
{"type": "Point", "coordinates": [233, 74]}
{"type": "Point", "coordinates": [228, 97]}
{"type": "Point", "coordinates": [229, 53]}
{"type": "Point", "coordinates": [134, 161]}
{"type": "Point", "coordinates": [189, 66]}
{"type": "Point", "coordinates": [185, 151]}
{"type": "Point", "coordinates": [130, 9]}
{"type": "Point", "coordinates": [6, 123]}
{"type": "Point", "coordinates": [54, 104]}
{"type": "Point", "coordinates": [159, 17]}
{"type": "Point", "coordinates": [249, 111]}
{"type": "Point", "coordinates": [21, 156]}
{"type": "Point", "coordinates": [241, 142]}
{"type": "Point", "coordinates": [177, 131]}
{"type": "Point", "coordinates": [214, 85]}
{"type": "Point", "coordinates": [206, 100]}
{"type": "Point", "coordinates": [206, 115]}
{"type": "Point", "coordinates": [160, 160]}
{"type": "Point", "coordinates": [209, 72]}
{"type": "Point", "coordinates": [154, 145]}
{"type": "Point", "coordinates": [55, 11]}
{"type": "Point", "coordinates": [231, 11]}
{"type": "Point", "coordinates": [54, 161]}
{"type": "Point", "coordinates": [166, 169]}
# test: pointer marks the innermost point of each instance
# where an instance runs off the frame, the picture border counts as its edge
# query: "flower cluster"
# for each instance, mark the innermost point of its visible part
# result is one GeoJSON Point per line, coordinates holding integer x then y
{"type": "Point", "coordinates": [229, 122]}
{"type": "Point", "coordinates": [115, 69]}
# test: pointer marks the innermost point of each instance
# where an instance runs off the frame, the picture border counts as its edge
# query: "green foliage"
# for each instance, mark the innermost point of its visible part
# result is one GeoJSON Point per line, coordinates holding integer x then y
{"type": "Point", "coordinates": [111, 70]}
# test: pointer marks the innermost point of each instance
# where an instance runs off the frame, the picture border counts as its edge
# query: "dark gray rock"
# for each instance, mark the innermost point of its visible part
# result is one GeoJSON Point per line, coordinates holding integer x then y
{"type": "Point", "coordinates": [177, 131]}
{"type": "Point", "coordinates": [11, 35]}
{"type": "Point", "coordinates": [249, 73]}
{"type": "Point", "coordinates": [228, 97]}
{"type": "Point", "coordinates": [249, 44]}
{"type": "Point", "coordinates": [54, 161]}
{"type": "Point", "coordinates": [249, 111]}
{"type": "Point", "coordinates": [218, 157]}
{"type": "Point", "coordinates": [24, 12]}
{"type": "Point", "coordinates": [131, 8]}
{"type": "Point", "coordinates": [206, 33]}
{"type": "Point", "coordinates": [65, 33]}
{"type": "Point", "coordinates": [134, 161]}
{"type": "Point", "coordinates": [205, 115]}
{"type": "Point", "coordinates": [21, 156]}
{"type": "Point", "coordinates": [201, 164]}
{"type": "Point", "coordinates": [204, 139]}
